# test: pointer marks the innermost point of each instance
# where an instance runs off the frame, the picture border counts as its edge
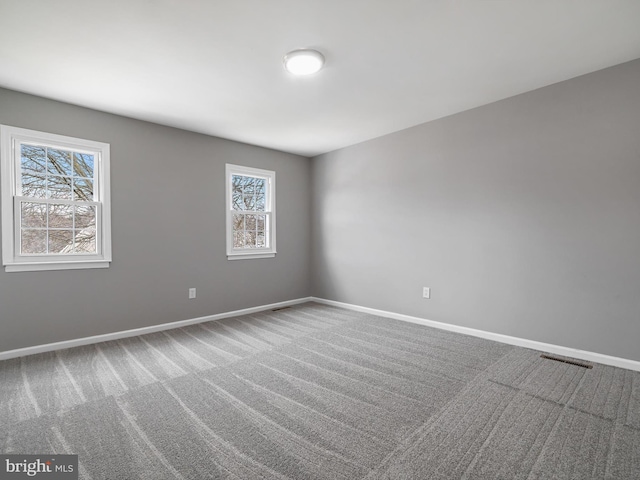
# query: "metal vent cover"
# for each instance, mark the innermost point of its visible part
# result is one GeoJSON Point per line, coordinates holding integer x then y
{"type": "Point", "coordinates": [278, 309]}
{"type": "Point", "coordinates": [566, 360]}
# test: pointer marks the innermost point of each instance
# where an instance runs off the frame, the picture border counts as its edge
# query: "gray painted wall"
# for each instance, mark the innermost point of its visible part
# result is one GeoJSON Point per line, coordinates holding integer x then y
{"type": "Point", "coordinates": [523, 216]}
{"type": "Point", "coordinates": [168, 226]}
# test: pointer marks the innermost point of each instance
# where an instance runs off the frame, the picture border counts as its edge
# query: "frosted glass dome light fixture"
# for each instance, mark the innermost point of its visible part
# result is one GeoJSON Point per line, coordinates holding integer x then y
{"type": "Point", "coordinates": [303, 61]}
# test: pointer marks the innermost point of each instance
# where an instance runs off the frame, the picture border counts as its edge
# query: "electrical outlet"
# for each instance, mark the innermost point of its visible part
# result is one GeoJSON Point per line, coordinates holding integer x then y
{"type": "Point", "coordinates": [192, 293]}
{"type": "Point", "coordinates": [426, 292]}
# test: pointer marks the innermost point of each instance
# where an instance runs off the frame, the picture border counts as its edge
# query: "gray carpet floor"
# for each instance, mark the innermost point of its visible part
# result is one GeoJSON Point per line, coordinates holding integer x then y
{"type": "Point", "coordinates": [316, 392]}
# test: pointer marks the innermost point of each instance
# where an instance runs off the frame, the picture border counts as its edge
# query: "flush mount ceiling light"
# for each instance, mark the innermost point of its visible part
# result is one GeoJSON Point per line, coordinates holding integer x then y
{"type": "Point", "coordinates": [303, 61]}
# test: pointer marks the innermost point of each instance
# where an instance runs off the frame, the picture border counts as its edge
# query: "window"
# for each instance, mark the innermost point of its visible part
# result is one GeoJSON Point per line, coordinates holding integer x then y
{"type": "Point", "coordinates": [251, 213]}
{"type": "Point", "coordinates": [55, 201]}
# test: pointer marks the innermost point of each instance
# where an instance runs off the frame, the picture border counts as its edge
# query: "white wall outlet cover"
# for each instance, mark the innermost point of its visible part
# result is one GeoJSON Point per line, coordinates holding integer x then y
{"type": "Point", "coordinates": [192, 293]}
{"type": "Point", "coordinates": [426, 292]}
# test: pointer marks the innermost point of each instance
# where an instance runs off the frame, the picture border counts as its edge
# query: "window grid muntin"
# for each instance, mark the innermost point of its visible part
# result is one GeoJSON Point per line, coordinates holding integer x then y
{"type": "Point", "coordinates": [244, 230]}
{"type": "Point", "coordinates": [253, 189]}
{"type": "Point", "coordinates": [97, 206]}
{"type": "Point", "coordinates": [49, 199]}
{"type": "Point", "coordinates": [264, 205]}
{"type": "Point", "coordinates": [46, 171]}
{"type": "Point", "coordinates": [250, 198]}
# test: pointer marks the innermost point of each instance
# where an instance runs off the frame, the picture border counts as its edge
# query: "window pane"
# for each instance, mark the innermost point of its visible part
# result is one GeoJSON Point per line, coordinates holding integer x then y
{"type": "Point", "coordinates": [238, 222]}
{"type": "Point", "coordinates": [85, 217]}
{"type": "Point", "coordinates": [60, 241]}
{"type": "Point", "coordinates": [249, 202]}
{"type": "Point", "coordinates": [83, 189]}
{"type": "Point", "coordinates": [34, 184]}
{"type": "Point", "coordinates": [236, 184]}
{"type": "Point", "coordinates": [60, 216]}
{"type": "Point", "coordinates": [236, 202]}
{"type": "Point", "coordinates": [260, 203]}
{"type": "Point", "coordinates": [261, 240]}
{"type": "Point", "coordinates": [33, 242]}
{"type": "Point", "coordinates": [59, 187]}
{"type": "Point", "coordinates": [261, 220]}
{"type": "Point", "coordinates": [83, 165]}
{"type": "Point", "coordinates": [33, 159]}
{"type": "Point", "coordinates": [248, 185]}
{"type": "Point", "coordinates": [59, 162]}
{"type": "Point", "coordinates": [260, 186]}
{"type": "Point", "coordinates": [34, 215]}
{"type": "Point", "coordinates": [86, 240]}
{"type": "Point", "coordinates": [249, 239]}
{"type": "Point", "coordinates": [250, 222]}
{"type": "Point", "coordinates": [238, 239]}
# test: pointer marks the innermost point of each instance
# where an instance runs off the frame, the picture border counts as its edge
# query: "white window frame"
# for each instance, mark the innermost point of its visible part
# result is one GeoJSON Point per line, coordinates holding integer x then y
{"type": "Point", "coordinates": [270, 211]}
{"type": "Point", "coordinates": [10, 170]}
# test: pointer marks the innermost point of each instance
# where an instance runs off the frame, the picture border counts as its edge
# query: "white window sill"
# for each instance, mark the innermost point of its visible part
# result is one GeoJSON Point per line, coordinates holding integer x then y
{"type": "Point", "coordinates": [247, 256]}
{"type": "Point", "coordinates": [34, 267]}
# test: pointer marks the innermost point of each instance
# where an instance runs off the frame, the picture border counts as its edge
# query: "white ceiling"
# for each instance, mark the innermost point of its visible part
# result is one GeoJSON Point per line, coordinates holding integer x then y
{"type": "Point", "coordinates": [215, 66]}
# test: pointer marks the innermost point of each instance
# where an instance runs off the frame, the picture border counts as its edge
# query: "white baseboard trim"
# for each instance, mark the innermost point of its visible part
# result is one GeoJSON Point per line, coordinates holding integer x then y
{"type": "Point", "coordinates": [520, 342]}
{"type": "Point", "coordinates": [21, 352]}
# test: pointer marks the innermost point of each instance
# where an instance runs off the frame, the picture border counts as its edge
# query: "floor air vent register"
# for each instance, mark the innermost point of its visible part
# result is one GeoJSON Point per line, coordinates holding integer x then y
{"type": "Point", "coordinates": [566, 360]}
